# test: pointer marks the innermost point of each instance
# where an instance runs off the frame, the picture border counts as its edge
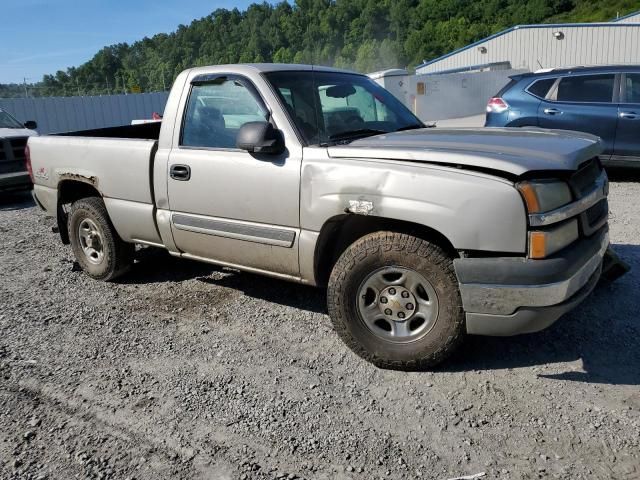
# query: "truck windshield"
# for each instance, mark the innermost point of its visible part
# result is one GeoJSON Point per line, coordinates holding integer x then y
{"type": "Point", "coordinates": [331, 108]}
{"type": "Point", "coordinates": [7, 121]}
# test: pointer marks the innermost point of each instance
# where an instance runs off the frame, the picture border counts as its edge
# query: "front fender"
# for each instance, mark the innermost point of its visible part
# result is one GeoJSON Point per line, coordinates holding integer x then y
{"type": "Point", "coordinates": [473, 210]}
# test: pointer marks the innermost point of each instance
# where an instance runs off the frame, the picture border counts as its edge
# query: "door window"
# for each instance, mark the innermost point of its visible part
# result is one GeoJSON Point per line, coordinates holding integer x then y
{"type": "Point", "coordinates": [586, 88]}
{"type": "Point", "coordinates": [217, 110]}
{"type": "Point", "coordinates": [632, 87]}
{"type": "Point", "coordinates": [540, 88]}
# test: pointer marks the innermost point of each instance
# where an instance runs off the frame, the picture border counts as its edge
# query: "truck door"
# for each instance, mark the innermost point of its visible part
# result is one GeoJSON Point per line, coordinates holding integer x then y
{"type": "Point", "coordinates": [627, 147]}
{"type": "Point", "coordinates": [228, 205]}
{"type": "Point", "coordinates": [584, 103]}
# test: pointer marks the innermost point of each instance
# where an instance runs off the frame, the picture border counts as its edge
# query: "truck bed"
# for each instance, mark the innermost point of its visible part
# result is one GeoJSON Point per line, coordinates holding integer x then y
{"type": "Point", "coordinates": [146, 131]}
{"type": "Point", "coordinates": [117, 162]}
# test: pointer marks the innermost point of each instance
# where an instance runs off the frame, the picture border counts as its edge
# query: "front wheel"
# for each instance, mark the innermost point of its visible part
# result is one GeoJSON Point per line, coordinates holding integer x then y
{"type": "Point", "coordinates": [98, 248]}
{"type": "Point", "coordinates": [394, 300]}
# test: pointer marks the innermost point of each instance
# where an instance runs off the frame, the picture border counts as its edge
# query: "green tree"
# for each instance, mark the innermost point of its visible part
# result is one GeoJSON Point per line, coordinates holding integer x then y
{"type": "Point", "coordinates": [364, 35]}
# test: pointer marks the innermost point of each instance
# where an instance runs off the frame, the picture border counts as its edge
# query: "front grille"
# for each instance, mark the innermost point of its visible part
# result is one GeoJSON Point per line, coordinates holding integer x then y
{"type": "Point", "coordinates": [595, 216]}
{"type": "Point", "coordinates": [583, 181]}
{"type": "Point", "coordinates": [12, 159]}
{"type": "Point", "coordinates": [18, 145]}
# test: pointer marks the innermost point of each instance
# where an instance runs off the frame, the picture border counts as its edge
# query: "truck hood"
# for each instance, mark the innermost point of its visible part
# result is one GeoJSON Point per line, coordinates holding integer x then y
{"type": "Point", "coordinates": [512, 150]}
{"type": "Point", "coordinates": [16, 132]}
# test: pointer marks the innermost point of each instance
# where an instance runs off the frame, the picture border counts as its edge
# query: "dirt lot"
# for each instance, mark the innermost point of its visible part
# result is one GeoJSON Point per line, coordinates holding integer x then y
{"type": "Point", "coordinates": [184, 370]}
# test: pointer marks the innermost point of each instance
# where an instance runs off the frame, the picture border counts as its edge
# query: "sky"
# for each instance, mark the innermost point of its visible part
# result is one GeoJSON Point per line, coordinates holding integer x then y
{"type": "Point", "coordinates": [38, 37]}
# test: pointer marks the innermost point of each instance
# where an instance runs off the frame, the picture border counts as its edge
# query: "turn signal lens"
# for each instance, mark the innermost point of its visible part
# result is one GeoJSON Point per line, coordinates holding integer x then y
{"type": "Point", "coordinates": [537, 245]}
{"type": "Point", "coordinates": [547, 242]}
{"type": "Point", "coordinates": [528, 192]}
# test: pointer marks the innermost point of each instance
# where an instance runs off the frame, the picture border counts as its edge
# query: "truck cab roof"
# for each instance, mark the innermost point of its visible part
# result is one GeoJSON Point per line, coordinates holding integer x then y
{"type": "Point", "coordinates": [266, 67]}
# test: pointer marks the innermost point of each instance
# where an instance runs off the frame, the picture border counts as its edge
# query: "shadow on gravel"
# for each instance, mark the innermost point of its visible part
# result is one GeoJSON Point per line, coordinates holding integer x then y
{"type": "Point", "coordinates": [603, 332]}
{"type": "Point", "coordinates": [274, 291]}
{"type": "Point", "coordinates": [623, 174]}
{"type": "Point", "coordinates": [15, 200]}
{"type": "Point", "coordinates": [157, 266]}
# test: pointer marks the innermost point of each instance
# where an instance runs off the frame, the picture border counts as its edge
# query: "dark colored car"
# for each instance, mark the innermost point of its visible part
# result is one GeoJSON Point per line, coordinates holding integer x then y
{"type": "Point", "coordinates": [604, 101]}
{"type": "Point", "coordinates": [13, 140]}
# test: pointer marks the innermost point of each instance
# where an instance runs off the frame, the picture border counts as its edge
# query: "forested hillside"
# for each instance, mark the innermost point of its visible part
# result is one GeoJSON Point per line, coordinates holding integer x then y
{"type": "Point", "coordinates": [364, 35]}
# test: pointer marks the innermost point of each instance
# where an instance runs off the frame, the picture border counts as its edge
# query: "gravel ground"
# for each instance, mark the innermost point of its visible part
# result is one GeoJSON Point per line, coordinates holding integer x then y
{"type": "Point", "coordinates": [185, 370]}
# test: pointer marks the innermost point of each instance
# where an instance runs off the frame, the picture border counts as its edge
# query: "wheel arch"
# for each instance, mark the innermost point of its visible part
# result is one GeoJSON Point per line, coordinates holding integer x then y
{"type": "Point", "coordinates": [340, 231]}
{"type": "Point", "coordinates": [71, 190]}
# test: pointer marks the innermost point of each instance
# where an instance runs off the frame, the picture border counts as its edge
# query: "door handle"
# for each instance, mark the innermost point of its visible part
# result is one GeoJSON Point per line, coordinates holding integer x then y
{"type": "Point", "coordinates": [180, 172]}
{"type": "Point", "coordinates": [628, 115]}
{"type": "Point", "coordinates": [551, 111]}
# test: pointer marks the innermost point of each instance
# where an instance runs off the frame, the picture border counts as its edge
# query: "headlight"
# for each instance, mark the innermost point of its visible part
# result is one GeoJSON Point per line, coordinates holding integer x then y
{"type": "Point", "coordinates": [543, 243]}
{"type": "Point", "coordinates": [544, 195]}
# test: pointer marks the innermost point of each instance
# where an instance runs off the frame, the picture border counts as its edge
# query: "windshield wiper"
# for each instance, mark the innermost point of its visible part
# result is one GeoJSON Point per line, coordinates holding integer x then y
{"type": "Point", "coordinates": [353, 134]}
{"type": "Point", "coordinates": [415, 126]}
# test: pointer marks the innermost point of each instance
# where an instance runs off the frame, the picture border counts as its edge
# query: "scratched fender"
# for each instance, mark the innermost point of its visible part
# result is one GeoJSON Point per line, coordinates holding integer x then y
{"type": "Point", "coordinates": [473, 210]}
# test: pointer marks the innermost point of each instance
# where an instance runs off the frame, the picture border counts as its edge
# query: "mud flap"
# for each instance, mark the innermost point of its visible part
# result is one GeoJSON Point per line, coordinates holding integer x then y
{"type": "Point", "coordinates": [61, 226]}
{"type": "Point", "coordinates": [613, 267]}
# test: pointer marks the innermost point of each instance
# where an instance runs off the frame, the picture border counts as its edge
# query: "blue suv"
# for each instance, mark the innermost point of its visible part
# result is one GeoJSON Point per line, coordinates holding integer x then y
{"type": "Point", "coordinates": [603, 101]}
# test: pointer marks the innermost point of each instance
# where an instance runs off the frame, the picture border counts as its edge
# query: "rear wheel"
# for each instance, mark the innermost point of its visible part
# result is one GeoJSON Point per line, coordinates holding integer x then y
{"type": "Point", "coordinates": [394, 300]}
{"type": "Point", "coordinates": [98, 248]}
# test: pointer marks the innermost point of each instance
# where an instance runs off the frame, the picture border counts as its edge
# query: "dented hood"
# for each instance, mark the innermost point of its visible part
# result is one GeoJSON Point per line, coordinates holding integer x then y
{"type": "Point", "coordinates": [512, 150]}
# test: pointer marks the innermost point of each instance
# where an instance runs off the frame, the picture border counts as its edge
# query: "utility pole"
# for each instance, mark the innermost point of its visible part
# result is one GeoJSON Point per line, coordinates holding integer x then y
{"type": "Point", "coordinates": [106, 80]}
{"type": "Point", "coordinates": [78, 86]}
{"type": "Point", "coordinates": [164, 86]}
{"type": "Point", "coordinates": [124, 85]}
{"type": "Point", "coordinates": [26, 91]}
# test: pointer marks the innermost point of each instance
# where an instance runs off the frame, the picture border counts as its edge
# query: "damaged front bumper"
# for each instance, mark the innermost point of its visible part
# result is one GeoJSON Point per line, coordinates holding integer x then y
{"type": "Point", "coordinates": [512, 295]}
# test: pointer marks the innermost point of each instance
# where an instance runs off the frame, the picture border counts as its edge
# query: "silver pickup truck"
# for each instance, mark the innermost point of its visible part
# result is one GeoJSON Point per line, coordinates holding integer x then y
{"type": "Point", "coordinates": [322, 177]}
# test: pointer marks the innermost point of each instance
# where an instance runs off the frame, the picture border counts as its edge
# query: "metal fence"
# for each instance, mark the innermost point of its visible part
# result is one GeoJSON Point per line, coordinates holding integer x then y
{"type": "Point", "coordinates": [66, 114]}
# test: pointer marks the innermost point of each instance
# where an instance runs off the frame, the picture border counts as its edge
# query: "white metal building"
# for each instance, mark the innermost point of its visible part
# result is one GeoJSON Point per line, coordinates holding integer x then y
{"type": "Point", "coordinates": [532, 47]}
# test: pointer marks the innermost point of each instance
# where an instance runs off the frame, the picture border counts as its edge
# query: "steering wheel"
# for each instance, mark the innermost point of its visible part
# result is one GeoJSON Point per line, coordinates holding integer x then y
{"type": "Point", "coordinates": [354, 120]}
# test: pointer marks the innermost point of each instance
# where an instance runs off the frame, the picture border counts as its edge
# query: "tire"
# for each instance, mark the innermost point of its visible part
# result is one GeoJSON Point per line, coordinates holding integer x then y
{"type": "Point", "coordinates": [99, 250]}
{"type": "Point", "coordinates": [397, 268]}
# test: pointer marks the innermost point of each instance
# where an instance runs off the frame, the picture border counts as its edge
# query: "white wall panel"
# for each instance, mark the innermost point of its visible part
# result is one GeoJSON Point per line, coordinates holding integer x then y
{"type": "Point", "coordinates": [65, 114]}
{"type": "Point", "coordinates": [534, 47]}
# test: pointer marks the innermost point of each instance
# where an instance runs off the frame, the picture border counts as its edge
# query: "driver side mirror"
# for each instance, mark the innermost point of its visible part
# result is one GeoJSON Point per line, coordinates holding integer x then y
{"type": "Point", "coordinates": [260, 137]}
{"type": "Point", "coordinates": [30, 124]}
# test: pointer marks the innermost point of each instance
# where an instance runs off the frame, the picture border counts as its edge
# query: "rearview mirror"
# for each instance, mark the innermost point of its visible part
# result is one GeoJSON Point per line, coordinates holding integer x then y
{"type": "Point", "coordinates": [30, 124]}
{"type": "Point", "coordinates": [343, 90]}
{"type": "Point", "coordinates": [260, 137]}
